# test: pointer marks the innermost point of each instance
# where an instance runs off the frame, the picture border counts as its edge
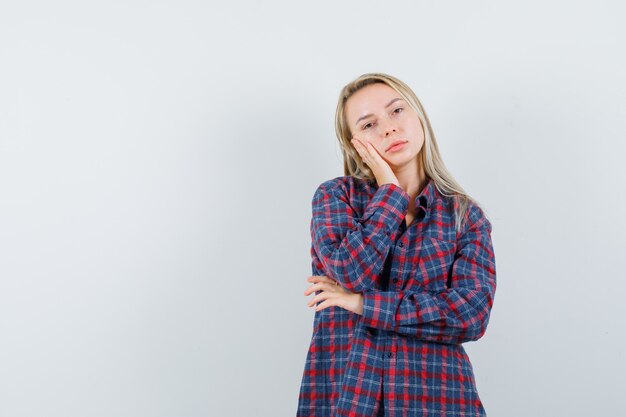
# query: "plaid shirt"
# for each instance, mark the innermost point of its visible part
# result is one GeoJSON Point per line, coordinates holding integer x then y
{"type": "Point", "coordinates": [426, 290]}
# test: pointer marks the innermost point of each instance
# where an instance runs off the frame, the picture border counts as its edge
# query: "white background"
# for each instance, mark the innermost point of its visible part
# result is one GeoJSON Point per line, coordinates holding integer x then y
{"type": "Point", "coordinates": [158, 160]}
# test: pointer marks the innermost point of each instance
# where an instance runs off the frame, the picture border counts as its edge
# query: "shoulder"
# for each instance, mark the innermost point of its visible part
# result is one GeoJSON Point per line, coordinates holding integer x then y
{"type": "Point", "coordinates": [342, 186]}
{"type": "Point", "coordinates": [333, 184]}
{"type": "Point", "coordinates": [475, 217]}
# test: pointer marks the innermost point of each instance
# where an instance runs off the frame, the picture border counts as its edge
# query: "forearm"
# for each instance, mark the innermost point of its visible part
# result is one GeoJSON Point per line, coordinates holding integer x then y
{"type": "Point", "coordinates": [353, 250]}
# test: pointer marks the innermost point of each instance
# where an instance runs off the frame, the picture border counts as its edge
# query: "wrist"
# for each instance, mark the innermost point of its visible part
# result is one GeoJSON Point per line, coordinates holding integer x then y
{"type": "Point", "coordinates": [359, 304]}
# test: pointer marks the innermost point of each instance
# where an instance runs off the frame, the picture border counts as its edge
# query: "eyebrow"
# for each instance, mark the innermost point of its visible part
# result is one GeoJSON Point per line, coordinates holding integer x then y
{"type": "Point", "coordinates": [368, 115]}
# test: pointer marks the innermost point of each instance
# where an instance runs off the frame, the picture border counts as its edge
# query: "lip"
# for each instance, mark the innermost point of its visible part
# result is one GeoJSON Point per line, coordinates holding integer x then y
{"type": "Point", "coordinates": [397, 142]}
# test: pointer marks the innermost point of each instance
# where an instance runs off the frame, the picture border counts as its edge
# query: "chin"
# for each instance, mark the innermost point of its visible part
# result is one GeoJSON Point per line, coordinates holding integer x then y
{"type": "Point", "coordinates": [401, 160]}
{"type": "Point", "coordinates": [398, 161]}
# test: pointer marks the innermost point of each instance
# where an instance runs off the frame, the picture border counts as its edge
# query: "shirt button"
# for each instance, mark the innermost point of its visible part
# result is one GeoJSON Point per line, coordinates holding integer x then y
{"type": "Point", "coordinates": [395, 280]}
{"type": "Point", "coordinates": [401, 244]}
{"type": "Point", "coordinates": [389, 354]}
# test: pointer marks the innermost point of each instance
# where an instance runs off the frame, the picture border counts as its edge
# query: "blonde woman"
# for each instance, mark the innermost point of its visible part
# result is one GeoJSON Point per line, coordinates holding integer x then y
{"type": "Point", "coordinates": [403, 268]}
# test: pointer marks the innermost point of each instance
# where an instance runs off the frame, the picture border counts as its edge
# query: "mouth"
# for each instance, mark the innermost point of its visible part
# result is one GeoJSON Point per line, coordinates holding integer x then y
{"type": "Point", "coordinates": [396, 145]}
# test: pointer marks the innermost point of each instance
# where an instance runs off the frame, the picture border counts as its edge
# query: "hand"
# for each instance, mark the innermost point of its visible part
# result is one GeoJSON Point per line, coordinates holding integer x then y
{"type": "Point", "coordinates": [333, 294]}
{"type": "Point", "coordinates": [380, 168]}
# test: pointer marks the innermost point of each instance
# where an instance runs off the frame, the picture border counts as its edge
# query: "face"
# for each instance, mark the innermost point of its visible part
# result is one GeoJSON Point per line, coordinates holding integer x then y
{"type": "Point", "coordinates": [379, 115]}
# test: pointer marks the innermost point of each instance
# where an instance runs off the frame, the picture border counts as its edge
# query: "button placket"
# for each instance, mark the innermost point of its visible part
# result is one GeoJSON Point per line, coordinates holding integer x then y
{"type": "Point", "coordinates": [400, 244]}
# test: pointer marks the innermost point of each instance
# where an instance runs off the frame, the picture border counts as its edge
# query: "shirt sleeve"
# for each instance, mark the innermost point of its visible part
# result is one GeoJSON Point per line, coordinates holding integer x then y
{"type": "Point", "coordinates": [458, 314]}
{"type": "Point", "coordinates": [353, 248]}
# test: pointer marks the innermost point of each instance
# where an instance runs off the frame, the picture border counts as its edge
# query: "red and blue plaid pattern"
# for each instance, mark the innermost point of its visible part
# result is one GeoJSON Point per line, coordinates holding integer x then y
{"type": "Point", "coordinates": [426, 290]}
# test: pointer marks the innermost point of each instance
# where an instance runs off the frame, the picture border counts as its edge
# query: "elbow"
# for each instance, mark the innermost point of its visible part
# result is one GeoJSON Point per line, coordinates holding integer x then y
{"type": "Point", "coordinates": [476, 332]}
{"type": "Point", "coordinates": [477, 328]}
{"type": "Point", "coordinates": [347, 275]}
{"type": "Point", "coordinates": [476, 325]}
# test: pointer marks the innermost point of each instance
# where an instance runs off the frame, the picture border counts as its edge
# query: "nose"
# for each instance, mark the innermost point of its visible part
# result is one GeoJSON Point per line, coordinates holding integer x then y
{"type": "Point", "coordinates": [388, 129]}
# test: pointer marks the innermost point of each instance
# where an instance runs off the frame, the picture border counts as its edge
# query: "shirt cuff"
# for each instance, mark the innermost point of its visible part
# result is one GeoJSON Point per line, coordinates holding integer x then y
{"type": "Point", "coordinates": [379, 308]}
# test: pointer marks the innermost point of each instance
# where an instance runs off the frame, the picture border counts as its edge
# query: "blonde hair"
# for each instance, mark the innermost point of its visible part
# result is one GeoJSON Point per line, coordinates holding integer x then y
{"type": "Point", "coordinates": [429, 156]}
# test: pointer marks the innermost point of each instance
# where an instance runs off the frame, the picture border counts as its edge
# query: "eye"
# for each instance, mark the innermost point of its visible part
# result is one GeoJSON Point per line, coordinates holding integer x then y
{"type": "Point", "coordinates": [399, 108]}
{"type": "Point", "coordinates": [366, 125]}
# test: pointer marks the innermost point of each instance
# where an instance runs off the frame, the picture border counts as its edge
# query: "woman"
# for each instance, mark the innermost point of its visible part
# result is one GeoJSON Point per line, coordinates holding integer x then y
{"type": "Point", "coordinates": [403, 268]}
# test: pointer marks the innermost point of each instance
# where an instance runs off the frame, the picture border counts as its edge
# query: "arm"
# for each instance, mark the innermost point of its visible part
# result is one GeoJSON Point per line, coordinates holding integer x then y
{"type": "Point", "coordinates": [353, 250]}
{"type": "Point", "coordinates": [455, 315]}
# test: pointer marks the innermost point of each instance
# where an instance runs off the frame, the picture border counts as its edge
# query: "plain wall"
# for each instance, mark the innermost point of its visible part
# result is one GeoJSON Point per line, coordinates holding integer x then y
{"type": "Point", "coordinates": [158, 160]}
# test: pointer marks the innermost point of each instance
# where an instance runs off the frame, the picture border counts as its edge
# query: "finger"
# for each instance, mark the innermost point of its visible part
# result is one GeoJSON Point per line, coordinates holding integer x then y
{"type": "Point", "coordinates": [335, 300]}
{"type": "Point", "coordinates": [360, 148]}
{"type": "Point", "coordinates": [324, 295]}
{"type": "Point", "coordinates": [319, 297]}
{"type": "Point", "coordinates": [323, 286]}
{"type": "Point", "coordinates": [314, 277]}
{"type": "Point", "coordinates": [320, 278]}
{"type": "Point", "coordinates": [312, 288]}
{"type": "Point", "coordinates": [313, 301]}
{"type": "Point", "coordinates": [363, 150]}
{"type": "Point", "coordinates": [326, 303]}
{"type": "Point", "coordinates": [368, 153]}
{"type": "Point", "coordinates": [372, 152]}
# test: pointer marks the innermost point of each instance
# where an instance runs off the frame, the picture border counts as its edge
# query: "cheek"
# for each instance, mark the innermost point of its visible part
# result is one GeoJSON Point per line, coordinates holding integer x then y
{"type": "Point", "coordinates": [420, 137]}
{"type": "Point", "coordinates": [420, 130]}
{"type": "Point", "coordinates": [415, 126]}
{"type": "Point", "coordinates": [380, 149]}
{"type": "Point", "coordinates": [418, 134]}
{"type": "Point", "coordinates": [372, 144]}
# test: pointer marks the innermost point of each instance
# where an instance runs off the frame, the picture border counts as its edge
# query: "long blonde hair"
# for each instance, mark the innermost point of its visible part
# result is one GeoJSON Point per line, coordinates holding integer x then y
{"type": "Point", "coordinates": [429, 156]}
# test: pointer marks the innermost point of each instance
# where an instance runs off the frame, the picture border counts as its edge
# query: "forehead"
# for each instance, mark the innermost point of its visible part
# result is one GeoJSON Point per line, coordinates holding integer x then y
{"type": "Point", "coordinates": [369, 99]}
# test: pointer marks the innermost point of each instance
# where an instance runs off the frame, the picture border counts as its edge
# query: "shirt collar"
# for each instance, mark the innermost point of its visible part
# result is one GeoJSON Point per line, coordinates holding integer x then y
{"type": "Point", "coordinates": [426, 197]}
